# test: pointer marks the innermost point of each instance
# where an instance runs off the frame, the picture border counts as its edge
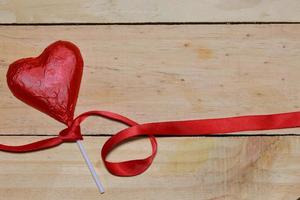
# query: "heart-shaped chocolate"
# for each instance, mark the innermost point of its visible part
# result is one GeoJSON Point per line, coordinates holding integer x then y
{"type": "Point", "coordinates": [49, 82]}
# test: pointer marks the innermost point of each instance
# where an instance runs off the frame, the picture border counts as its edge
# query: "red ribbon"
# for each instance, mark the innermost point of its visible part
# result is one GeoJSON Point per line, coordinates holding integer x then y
{"type": "Point", "coordinates": [171, 128]}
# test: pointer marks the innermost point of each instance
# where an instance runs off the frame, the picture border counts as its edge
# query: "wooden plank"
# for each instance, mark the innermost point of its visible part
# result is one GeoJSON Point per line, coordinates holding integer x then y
{"type": "Point", "coordinates": [154, 73]}
{"type": "Point", "coordinates": [185, 168]}
{"type": "Point", "coordinates": [112, 11]}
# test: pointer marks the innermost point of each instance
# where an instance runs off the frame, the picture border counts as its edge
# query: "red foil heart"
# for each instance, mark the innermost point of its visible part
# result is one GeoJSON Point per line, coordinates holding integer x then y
{"type": "Point", "coordinates": [49, 82]}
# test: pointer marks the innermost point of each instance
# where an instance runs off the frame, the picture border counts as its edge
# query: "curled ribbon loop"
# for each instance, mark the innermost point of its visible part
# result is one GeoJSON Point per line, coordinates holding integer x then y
{"type": "Point", "coordinates": [171, 128]}
{"type": "Point", "coordinates": [126, 168]}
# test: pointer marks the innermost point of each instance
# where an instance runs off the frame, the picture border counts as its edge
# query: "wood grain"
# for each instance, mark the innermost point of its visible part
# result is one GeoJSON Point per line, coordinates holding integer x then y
{"type": "Point", "coordinates": [154, 73]}
{"type": "Point", "coordinates": [239, 168]}
{"type": "Point", "coordinates": [128, 11]}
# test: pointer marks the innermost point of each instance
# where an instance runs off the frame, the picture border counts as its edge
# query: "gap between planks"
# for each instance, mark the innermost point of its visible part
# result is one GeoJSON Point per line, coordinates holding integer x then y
{"type": "Point", "coordinates": [144, 23]}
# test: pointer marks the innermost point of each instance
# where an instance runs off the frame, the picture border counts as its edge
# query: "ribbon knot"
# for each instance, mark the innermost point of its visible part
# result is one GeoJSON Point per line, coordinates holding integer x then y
{"type": "Point", "coordinates": [71, 134]}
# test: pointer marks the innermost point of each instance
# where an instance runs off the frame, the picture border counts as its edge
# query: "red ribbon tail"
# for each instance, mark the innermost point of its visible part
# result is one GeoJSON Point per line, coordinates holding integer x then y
{"type": "Point", "coordinates": [35, 146]}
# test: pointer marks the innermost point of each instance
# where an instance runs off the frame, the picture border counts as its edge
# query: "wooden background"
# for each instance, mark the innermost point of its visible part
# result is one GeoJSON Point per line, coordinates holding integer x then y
{"type": "Point", "coordinates": [159, 60]}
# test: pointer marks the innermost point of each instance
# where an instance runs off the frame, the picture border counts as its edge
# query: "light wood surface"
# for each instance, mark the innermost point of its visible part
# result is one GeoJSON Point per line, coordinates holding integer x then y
{"type": "Point", "coordinates": [112, 11]}
{"type": "Point", "coordinates": [231, 168]}
{"type": "Point", "coordinates": [155, 73]}
{"type": "Point", "coordinates": [158, 73]}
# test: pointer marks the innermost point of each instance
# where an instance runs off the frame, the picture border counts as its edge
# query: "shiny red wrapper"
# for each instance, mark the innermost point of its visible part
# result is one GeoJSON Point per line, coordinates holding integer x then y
{"type": "Point", "coordinates": [49, 82]}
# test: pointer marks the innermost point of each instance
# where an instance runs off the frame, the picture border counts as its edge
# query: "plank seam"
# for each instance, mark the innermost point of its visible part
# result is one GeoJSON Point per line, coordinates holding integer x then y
{"type": "Point", "coordinates": [144, 23]}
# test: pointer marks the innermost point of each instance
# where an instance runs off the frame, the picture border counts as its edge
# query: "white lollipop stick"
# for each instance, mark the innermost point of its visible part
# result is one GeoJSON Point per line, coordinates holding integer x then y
{"type": "Point", "coordinates": [90, 166]}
